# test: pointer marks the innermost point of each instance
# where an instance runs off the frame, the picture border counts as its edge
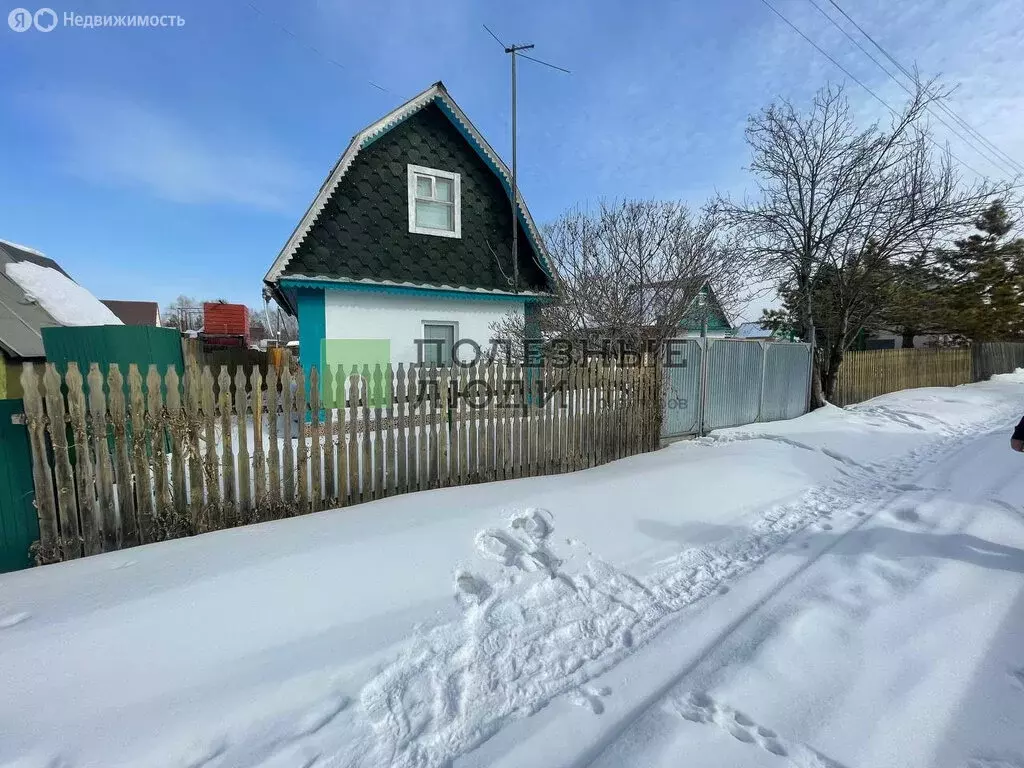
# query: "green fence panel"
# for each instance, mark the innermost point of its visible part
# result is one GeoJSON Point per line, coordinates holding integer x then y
{"type": "Point", "coordinates": [19, 526]}
{"type": "Point", "coordinates": [122, 344]}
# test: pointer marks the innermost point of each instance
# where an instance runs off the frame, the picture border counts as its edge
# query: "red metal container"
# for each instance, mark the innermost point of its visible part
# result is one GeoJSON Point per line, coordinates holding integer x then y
{"type": "Point", "coordinates": [225, 319]}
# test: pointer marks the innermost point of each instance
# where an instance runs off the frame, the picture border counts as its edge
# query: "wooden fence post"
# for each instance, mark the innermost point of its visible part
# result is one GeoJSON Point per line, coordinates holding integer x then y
{"type": "Point", "coordinates": [175, 421]}
{"type": "Point", "coordinates": [302, 462]}
{"type": "Point", "coordinates": [378, 436]}
{"type": "Point", "coordinates": [366, 454]}
{"type": "Point", "coordinates": [242, 424]}
{"type": "Point", "coordinates": [315, 454]}
{"type": "Point", "coordinates": [341, 452]}
{"type": "Point", "coordinates": [42, 479]}
{"type": "Point", "coordinates": [328, 403]}
{"type": "Point", "coordinates": [157, 419]}
{"type": "Point", "coordinates": [128, 531]}
{"type": "Point", "coordinates": [389, 435]}
{"type": "Point", "coordinates": [227, 456]}
{"type": "Point", "coordinates": [211, 462]}
{"type": "Point", "coordinates": [288, 469]}
{"type": "Point", "coordinates": [67, 508]}
{"type": "Point", "coordinates": [144, 504]}
{"type": "Point", "coordinates": [259, 459]}
{"type": "Point", "coordinates": [354, 488]}
{"type": "Point", "coordinates": [110, 530]}
{"type": "Point", "coordinates": [401, 422]}
{"type": "Point", "coordinates": [273, 453]}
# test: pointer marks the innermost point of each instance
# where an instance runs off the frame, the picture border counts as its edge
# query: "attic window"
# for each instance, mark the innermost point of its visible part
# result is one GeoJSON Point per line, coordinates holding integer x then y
{"type": "Point", "coordinates": [435, 202]}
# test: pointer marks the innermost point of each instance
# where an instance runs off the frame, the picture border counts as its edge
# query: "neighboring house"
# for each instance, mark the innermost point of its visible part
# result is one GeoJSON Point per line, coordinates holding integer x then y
{"type": "Point", "coordinates": [662, 297]}
{"type": "Point", "coordinates": [867, 340]}
{"type": "Point", "coordinates": [135, 312]}
{"type": "Point", "coordinates": [705, 315]}
{"type": "Point", "coordinates": [410, 237]}
{"type": "Point", "coordinates": [758, 332]}
{"type": "Point", "coordinates": [36, 293]}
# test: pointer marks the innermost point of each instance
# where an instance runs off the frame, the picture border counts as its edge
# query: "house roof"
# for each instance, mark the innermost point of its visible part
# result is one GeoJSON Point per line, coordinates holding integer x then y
{"type": "Point", "coordinates": [134, 312]}
{"type": "Point", "coordinates": [753, 331]}
{"type": "Point", "coordinates": [436, 95]}
{"type": "Point", "coordinates": [25, 293]}
{"type": "Point", "coordinates": [21, 320]}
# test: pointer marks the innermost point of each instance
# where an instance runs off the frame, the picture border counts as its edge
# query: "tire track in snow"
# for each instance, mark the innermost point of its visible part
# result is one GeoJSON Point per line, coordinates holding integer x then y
{"type": "Point", "coordinates": [543, 630]}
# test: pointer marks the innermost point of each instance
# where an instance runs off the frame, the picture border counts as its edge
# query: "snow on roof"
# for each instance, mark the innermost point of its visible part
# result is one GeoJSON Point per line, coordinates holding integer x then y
{"type": "Point", "coordinates": [753, 331]}
{"type": "Point", "coordinates": [61, 297]}
{"type": "Point", "coordinates": [25, 248]}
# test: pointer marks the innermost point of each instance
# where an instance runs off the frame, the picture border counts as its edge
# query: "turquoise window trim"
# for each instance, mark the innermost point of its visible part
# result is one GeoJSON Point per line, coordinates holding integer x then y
{"type": "Point", "coordinates": [302, 285]}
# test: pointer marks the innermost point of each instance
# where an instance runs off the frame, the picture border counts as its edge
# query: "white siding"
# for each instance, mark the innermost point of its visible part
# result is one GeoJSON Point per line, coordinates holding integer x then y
{"type": "Point", "coordinates": [352, 315]}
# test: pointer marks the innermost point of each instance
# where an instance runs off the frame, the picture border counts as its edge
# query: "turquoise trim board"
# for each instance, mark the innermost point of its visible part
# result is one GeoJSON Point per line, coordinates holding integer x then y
{"type": "Point", "coordinates": [312, 327]}
{"type": "Point", "coordinates": [400, 290]}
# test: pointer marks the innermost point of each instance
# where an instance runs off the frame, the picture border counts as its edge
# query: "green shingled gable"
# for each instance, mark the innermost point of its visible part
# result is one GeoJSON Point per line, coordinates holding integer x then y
{"type": "Point", "coordinates": [363, 231]}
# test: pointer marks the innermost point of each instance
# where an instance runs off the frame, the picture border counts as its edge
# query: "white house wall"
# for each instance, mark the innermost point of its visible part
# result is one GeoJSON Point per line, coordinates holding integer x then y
{"type": "Point", "coordinates": [352, 315]}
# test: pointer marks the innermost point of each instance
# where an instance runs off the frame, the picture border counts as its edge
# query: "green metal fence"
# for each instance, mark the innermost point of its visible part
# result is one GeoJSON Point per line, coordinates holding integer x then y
{"type": "Point", "coordinates": [19, 526]}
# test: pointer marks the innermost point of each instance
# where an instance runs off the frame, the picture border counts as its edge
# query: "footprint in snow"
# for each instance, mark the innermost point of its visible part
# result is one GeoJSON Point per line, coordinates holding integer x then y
{"type": "Point", "coordinates": [12, 619]}
{"type": "Point", "coordinates": [322, 714]}
{"type": "Point", "coordinates": [535, 524]}
{"type": "Point", "coordinates": [591, 698]}
{"type": "Point", "coordinates": [1017, 677]}
{"type": "Point", "coordinates": [700, 707]}
{"type": "Point", "coordinates": [470, 589]}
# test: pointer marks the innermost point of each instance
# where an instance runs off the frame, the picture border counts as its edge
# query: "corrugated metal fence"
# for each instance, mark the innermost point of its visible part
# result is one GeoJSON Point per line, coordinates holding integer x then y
{"type": "Point", "coordinates": [725, 383]}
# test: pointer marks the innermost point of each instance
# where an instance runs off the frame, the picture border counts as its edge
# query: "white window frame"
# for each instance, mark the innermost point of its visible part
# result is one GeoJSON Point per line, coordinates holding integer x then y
{"type": "Point", "coordinates": [455, 333]}
{"type": "Point", "coordinates": [456, 180]}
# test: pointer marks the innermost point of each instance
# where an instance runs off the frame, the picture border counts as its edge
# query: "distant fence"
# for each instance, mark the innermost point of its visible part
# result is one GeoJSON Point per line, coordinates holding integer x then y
{"type": "Point", "coordinates": [717, 383]}
{"type": "Point", "coordinates": [116, 463]}
{"type": "Point", "coordinates": [197, 353]}
{"type": "Point", "coordinates": [991, 358]}
{"type": "Point", "coordinates": [864, 375]}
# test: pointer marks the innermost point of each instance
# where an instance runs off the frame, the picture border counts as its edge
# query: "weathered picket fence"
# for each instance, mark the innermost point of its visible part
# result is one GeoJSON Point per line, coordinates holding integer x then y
{"type": "Point", "coordinates": [120, 462]}
{"type": "Point", "coordinates": [864, 375]}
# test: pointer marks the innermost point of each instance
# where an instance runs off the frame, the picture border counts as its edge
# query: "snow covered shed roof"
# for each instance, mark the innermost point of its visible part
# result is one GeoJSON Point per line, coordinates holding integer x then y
{"type": "Point", "coordinates": [753, 331]}
{"type": "Point", "coordinates": [35, 293]}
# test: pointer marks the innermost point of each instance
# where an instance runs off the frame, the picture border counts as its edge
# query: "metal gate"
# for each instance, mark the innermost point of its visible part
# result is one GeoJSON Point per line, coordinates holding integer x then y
{"type": "Point", "coordinates": [683, 382]}
{"type": "Point", "coordinates": [19, 526]}
{"type": "Point", "coordinates": [728, 383]}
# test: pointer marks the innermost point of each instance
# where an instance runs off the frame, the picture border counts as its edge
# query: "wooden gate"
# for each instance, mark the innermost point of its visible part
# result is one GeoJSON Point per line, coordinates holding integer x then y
{"type": "Point", "coordinates": [19, 526]}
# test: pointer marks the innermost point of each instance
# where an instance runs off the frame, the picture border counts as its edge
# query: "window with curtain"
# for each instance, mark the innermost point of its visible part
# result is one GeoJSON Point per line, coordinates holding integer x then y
{"type": "Point", "coordinates": [434, 202]}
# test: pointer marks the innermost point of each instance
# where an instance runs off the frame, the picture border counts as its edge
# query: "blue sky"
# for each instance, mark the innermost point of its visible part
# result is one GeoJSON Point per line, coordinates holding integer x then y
{"type": "Point", "coordinates": [158, 162]}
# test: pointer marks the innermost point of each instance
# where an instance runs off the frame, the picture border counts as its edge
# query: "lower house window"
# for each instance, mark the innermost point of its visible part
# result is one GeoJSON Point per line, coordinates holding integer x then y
{"type": "Point", "coordinates": [435, 202]}
{"type": "Point", "coordinates": [439, 340]}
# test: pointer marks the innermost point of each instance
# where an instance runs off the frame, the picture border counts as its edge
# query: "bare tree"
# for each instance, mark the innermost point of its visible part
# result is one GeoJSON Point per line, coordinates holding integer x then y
{"type": "Point", "coordinates": [632, 271]}
{"type": "Point", "coordinates": [848, 203]}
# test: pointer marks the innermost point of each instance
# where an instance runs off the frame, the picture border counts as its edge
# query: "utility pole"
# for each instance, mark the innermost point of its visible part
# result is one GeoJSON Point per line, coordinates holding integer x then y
{"type": "Point", "coordinates": [514, 52]}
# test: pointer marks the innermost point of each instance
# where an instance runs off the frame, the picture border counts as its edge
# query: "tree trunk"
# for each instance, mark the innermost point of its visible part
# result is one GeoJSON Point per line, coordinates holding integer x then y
{"type": "Point", "coordinates": [830, 376]}
{"type": "Point", "coordinates": [908, 338]}
{"type": "Point", "coordinates": [817, 393]}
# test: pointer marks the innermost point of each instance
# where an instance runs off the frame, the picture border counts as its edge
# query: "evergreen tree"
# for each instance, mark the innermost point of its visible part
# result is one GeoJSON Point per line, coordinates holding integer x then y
{"type": "Point", "coordinates": [983, 300]}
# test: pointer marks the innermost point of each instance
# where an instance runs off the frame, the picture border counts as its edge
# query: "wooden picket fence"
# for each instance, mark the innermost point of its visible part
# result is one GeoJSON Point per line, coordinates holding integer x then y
{"type": "Point", "coordinates": [864, 375]}
{"type": "Point", "coordinates": [119, 462]}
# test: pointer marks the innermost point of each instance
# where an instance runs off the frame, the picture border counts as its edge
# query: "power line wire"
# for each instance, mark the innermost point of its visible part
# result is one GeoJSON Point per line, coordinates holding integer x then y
{"type": "Point", "coordinates": [309, 47]}
{"type": "Point", "coordinates": [995, 160]}
{"type": "Point", "coordinates": [949, 110]}
{"type": "Point", "coordinates": [850, 75]}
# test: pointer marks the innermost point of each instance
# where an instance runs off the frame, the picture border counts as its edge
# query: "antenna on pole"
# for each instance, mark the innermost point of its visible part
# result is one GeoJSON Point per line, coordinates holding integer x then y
{"type": "Point", "coordinates": [515, 51]}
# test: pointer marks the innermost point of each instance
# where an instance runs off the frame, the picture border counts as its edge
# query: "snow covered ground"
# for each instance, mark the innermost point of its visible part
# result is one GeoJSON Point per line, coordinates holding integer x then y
{"type": "Point", "coordinates": [844, 589]}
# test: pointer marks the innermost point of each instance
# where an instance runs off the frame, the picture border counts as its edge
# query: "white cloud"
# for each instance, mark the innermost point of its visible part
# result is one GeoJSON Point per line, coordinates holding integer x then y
{"type": "Point", "coordinates": [116, 142]}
